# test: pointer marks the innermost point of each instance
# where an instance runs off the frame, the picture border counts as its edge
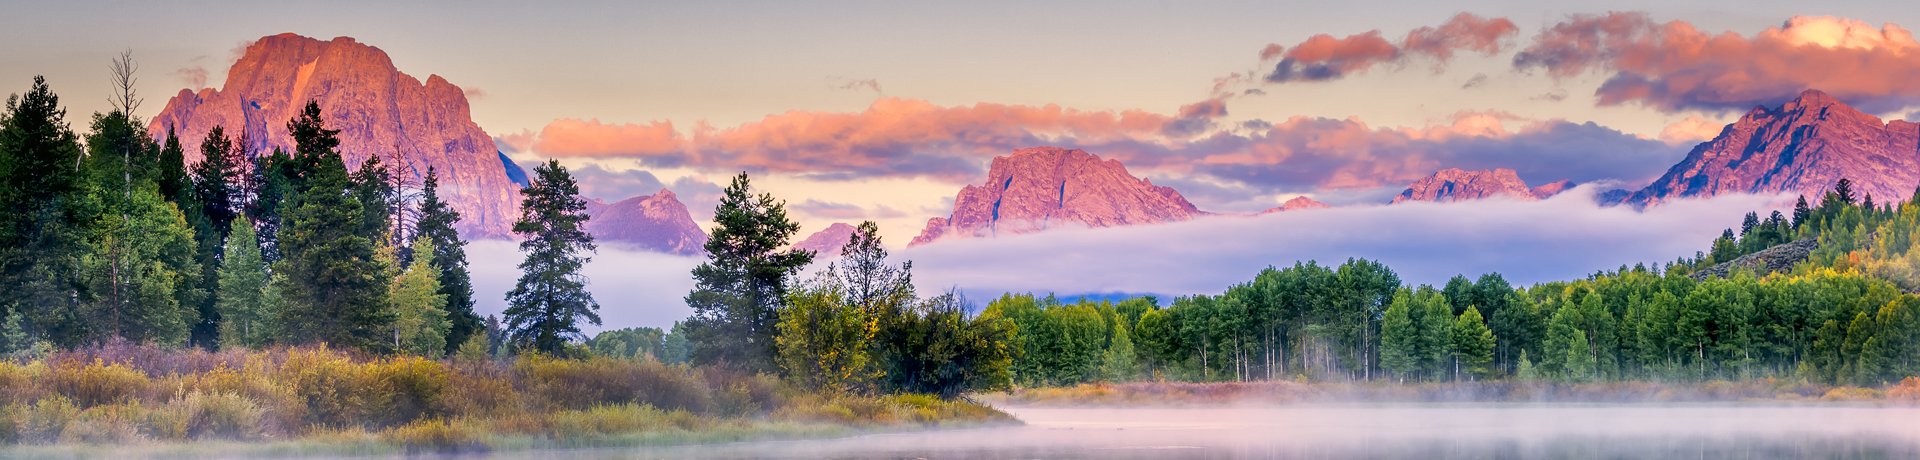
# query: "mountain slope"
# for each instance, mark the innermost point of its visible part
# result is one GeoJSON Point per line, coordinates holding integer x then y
{"type": "Point", "coordinates": [1802, 146]}
{"type": "Point", "coordinates": [1454, 184]}
{"type": "Point", "coordinates": [657, 222]}
{"type": "Point", "coordinates": [1034, 189]}
{"type": "Point", "coordinates": [827, 243]}
{"type": "Point", "coordinates": [378, 110]}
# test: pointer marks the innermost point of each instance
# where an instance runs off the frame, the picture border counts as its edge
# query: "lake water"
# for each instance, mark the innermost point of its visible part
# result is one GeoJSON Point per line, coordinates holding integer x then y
{"type": "Point", "coordinates": [1363, 431]}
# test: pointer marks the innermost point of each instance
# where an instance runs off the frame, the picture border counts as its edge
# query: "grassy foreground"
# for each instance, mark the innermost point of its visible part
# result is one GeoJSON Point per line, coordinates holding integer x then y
{"type": "Point", "coordinates": [1907, 392]}
{"type": "Point", "coordinates": [118, 400]}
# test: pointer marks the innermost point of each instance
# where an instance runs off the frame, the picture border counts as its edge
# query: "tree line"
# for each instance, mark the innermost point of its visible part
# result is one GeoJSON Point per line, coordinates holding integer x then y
{"type": "Point", "coordinates": [1846, 315]}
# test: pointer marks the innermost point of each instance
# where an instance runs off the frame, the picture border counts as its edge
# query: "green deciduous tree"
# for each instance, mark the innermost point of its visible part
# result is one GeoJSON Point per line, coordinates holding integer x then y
{"type": "Point", "coordinates": [246, 319]}
{"type": "Point", "coordinates": [823, 340]}
{"type": "Point", "coordinates": [420, 316]}
{"type": "Point", "coordinates": [436, 224]}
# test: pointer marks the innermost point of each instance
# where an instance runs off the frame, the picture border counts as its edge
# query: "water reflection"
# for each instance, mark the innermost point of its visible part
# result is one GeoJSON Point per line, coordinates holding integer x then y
{"type": "Point", "coordinates": [1359, 431]}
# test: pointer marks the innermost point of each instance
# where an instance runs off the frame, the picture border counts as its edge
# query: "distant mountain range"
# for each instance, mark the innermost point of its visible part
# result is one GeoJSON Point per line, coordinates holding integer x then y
{"type": "Point", "coordinates": [1801, 146]}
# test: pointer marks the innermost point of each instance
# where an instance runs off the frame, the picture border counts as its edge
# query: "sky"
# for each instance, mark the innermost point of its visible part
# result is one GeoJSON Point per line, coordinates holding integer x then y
{"type": "Point", "coordinates": [882, 110]}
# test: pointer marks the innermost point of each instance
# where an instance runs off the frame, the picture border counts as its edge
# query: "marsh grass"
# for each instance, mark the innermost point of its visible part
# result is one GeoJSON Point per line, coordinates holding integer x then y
{"type": "Point", "coordinates": [122, 400]}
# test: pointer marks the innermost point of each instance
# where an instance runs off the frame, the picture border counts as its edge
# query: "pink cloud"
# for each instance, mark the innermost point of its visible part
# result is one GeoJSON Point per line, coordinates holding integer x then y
{"type": "Point", "coordinates": [569, 137]}
{"type": "Point", "coordinates": [1674, 66]}
{"type": "Point", "coordinates": [1324, 57]}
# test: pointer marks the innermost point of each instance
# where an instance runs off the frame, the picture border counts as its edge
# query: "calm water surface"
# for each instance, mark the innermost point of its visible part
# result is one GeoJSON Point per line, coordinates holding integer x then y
{"type": "Point", "coordinates": [1339, 432]}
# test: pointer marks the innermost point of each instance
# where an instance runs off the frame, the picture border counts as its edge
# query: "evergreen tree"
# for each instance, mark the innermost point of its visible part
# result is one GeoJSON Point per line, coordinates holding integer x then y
{"type": "Point", "coordinates": [336, 286]}
{"type": "Point", "coordinates": [40, 200]}
{"type": "Point", "coordinates": [449, 258]}
{"type": "Point", "coordinates": [739, 291]}
{"type": "Point", "coordinates": [420, 316]}
{"type": "Point", "coordinates": [1801, 212]}
{"type": "Point", "coordinates": [545, 307]}
{"type": "Point", "coordinates": [245, 314]}
{"type": "Point", "coordinates": [372, 185]}
{"type": "Point", "coordinates": [1473, 345]}
{"type": "Point", "coordinates": [1400, 337]}
{"type": "Point", "coordinates": [1844, 191]}
{"type": "Point", "coordinates": [217, 180]}
{"type": "Point", "coordinates": [271, 185]}
{"type": "Point", "coordinates": [172, 173]}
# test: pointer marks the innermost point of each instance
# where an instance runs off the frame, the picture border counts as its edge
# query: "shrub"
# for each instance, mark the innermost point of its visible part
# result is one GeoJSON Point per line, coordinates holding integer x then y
{"type": "Point", "coordinates": [18, 384]}
{"type": "Point", "coordinates": [336, 391]}
{"type": "Point", "coordinates": [97, 383]}
{"type": "Point", "coordinates": [221, 416]}
{"type": "Point", "coordinates": [110, 424]}
{"type": "Point", "coordinates": [45, 419]}
{"type": "Point", "coordinates": [1907, 391]}
{"type": "Point", "coordinates": [436, 435]}
{"type": "Point", "coordinates": [482, 389]}
{"type": "Point", "coordinates": [581, 384]}
{"type": "Point", "coordinates": [418, 386]}
{"type": "Point", "coordinates": [624, 419]}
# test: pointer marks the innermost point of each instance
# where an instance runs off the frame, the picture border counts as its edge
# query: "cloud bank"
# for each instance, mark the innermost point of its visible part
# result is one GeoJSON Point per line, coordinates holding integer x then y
{"type": "Point", "coordinates": [1564, 237]}
{"type": "Point", "coordinates": [1674, 66]}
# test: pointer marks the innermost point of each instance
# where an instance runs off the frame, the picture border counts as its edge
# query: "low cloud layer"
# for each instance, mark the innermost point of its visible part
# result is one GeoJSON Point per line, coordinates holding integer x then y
{"type": "Point", "coordinates": [1674, 66]}
{"type": "Point", "coordinates": [1324, 57]}
{"type": "Point", "coordinates": [634, 288]}
{"type": "Point", "coordinates": [1564, 237]}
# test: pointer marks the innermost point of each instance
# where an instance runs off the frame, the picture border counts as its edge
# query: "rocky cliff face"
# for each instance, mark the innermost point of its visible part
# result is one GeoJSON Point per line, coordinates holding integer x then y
{"type": "Point", "coordinates": [1454, 184]}
{"type": "Point", "coordinates": [1046, 187]}
{"type": "Point", "coordinates": [1298, 203]}
{"type": "Point", "coordinates": [827, 243]}
{"type": "Point", "coordinates": [657, 222]}
{"type": "Point", "coordinates": [1802, 146]}
{"type": "Point", "coordinates": [377, 108]}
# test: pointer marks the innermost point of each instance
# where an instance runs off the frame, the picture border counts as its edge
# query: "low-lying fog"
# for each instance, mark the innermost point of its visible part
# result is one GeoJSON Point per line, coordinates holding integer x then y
{"type": "Point", "coordinates": [1374, 431]}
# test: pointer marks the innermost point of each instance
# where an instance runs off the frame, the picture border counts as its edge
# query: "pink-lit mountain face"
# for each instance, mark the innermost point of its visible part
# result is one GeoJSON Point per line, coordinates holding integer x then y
{"type": "Point", "coordinates": [1038, 188]}
{"type": "Point", "coordinates": [657, 222]}
{"type": "Point", "coordinates": [1454, 184]}
{"type": "Point", "coordinates": [377, 108]}
{"type": "Point", "coordinates": [1298, 203]}
{"type": "Point", "coordinates": [1802, 146]}
{"type": "Point", "coordinates": [827, 243]}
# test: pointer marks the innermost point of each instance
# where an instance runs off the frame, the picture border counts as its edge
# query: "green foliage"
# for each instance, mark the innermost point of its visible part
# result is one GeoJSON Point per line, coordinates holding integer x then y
{"type": "Point", "coordinates": [738, 292]}
{"type": "Point", "coordinates": [1472, 346]}
{"type": "Point", "coordinates": [1118, 363]}
{"type": "Point", "coordinates": [545, 307]}
{"type": "Point", "coordinates": [247, 319]}
{"type": "Point", "coordinates": [824, 340]}
{"type": "Point", "coordinates": [137, 263]}
{"type": "Point", "coordinates": [420, 318]}
{"type": "Point", "coordinates": [335, 285]}
{"type": "Point", "coordinates": [449, 258]}
{"type": "Point", "coordinates": [632, 342]}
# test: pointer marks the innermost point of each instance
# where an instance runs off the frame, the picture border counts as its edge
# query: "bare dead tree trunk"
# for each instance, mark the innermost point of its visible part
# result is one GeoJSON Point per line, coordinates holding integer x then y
{"type": "Point", "coordinates": [125, 100]}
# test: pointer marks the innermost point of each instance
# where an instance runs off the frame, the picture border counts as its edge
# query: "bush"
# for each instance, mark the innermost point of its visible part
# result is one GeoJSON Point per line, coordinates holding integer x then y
{"type": "Point", "coordinates": [582, 384]}
{"type": "Point", "coordinates": [1907, 391]}
{"type": "Point", "coordinates": [45, 419]}
{"type": "Point", "coordinates": [19, 384]}
{"type": "Point", "coordinates": [110, 424]}
{"type": "Point", "coordinates": [624, 419]}
{"type": "Point", "coordinates": [336, 391]}
{"type": "Point", "coordinates": [221, 416]}
{"type": "Point", "coordinates": [97, 383]}
{"type": "Point", "coordinates": [418, 387]}
{"type": "Point", "coordinates": [436, 435]}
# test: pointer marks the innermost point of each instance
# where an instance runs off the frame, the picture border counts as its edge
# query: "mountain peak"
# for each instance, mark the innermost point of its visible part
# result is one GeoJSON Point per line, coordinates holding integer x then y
{"type": "Point", "coordinates": [377, 108]}
{"type": "Point", "coordinates": [1803, 146]}
{"type": "Point", "coordinates": [657, 222]}
{"type": "Point", "coordinates": [1455, 184]}
{"type": "Point", "coordinates": [1036, 188]}
{"type": "Point", "coordinates": [827, 242]}
{"type": "Point", "coordinates": [1298, 203]}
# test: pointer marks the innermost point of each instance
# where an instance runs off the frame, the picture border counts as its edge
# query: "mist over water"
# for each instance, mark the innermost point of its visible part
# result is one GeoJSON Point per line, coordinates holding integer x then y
{"type": "Point", "coordinates": [1436, 431]}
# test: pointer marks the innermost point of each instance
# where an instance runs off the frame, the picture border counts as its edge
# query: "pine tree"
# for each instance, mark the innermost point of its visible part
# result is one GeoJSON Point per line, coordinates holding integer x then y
{"type": "Point", "coordinates": [372, 185]}
{"type": "Point", "coordinates": [449, 258]}
{"type": "Point", "coordinates": [1400, 337]}
{"type": "Point", "coordinates": [739, 291]}
{"type": "Point", "coordinates": [41, 198]}
{"type": "Point", "coordinates": [245, 317]}
{"type": "Point", "coordinates": [336, 287]}
{"type": "Point", "coordinates": [1844, 191]}
{"type": "Point", "coordinates": [217, 180]}
{"type": "Point", "coordinates": [420, 324]}
{"type": "Point", "coordinates": [551, 299]}
{"type": "Point", "coordinates": [1801, 212]}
